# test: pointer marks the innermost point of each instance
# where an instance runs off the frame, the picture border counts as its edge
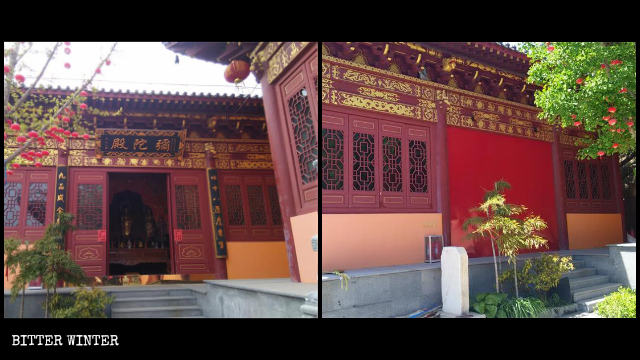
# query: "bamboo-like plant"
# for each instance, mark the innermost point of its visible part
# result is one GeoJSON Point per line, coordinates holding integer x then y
{"type": "Point", "coordinates": [507, 233]}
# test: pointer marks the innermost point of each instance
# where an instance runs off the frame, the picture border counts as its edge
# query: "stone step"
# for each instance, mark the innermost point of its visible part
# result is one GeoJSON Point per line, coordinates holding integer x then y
{"type": "Point", "coordinates": [149, 292]}
{"type": "Point", "coordinates": [157, 312]}
{"type": "Point", "coordinates": [586, 281]}
{"type": "Point", "coordinates": [581, 272]}
{"type": "Point", "coordinates": [578, 264]}
{"type": "Point", "coordinates": [589, 305]}
{"type": "Point", "coordinates": [140, 302]}
{"type": "Point", "coordinates": [594, 291]}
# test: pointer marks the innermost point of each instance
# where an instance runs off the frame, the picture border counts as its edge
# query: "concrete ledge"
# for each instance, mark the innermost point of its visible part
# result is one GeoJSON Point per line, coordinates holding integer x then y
{"type": "Point", "coordinates": [280, 286]}
{"type": "Point", "coordinates": [229, 300]}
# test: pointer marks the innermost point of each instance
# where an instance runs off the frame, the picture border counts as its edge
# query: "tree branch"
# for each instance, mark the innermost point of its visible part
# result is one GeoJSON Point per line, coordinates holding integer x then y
{"type": "Point", "coordinates": [28, 92]}
{"type": "Point", "coordinates": [69, 100]}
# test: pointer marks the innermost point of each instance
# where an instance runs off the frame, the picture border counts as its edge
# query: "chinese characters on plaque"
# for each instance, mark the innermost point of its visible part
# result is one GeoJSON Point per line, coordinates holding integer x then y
{"type": "Point", "coordinates": [147, 143]}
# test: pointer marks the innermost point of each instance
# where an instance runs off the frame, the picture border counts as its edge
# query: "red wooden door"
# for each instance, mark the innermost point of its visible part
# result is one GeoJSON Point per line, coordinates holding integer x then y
{"type": "Point", "coordinates": [88, 202]}
{"type": "Point", "coordinates": [192, 238]}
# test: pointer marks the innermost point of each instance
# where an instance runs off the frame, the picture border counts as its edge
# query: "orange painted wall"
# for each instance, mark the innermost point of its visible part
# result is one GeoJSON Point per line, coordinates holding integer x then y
{"type": "Point", "coordinates": [352, 241]}
{"type": "Point", "coordinates": [257, 259]}
{"type": "Point", "coordinates": [588, 231]}
{"type": "Point", "coordinates": [303, 228]}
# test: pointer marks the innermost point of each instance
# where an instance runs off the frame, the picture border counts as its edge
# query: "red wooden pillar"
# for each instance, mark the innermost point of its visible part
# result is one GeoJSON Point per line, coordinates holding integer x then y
{"type": "Point", "coordinates": [275, 126]}
{"type": "Point", "coordinates": [558, 186]}
{"type": "Point", "coordinates": [442, 161]}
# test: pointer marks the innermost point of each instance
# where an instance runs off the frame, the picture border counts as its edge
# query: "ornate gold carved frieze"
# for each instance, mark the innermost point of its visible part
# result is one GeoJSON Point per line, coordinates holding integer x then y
{"type": "Point", "coordinates": [258, 148]}
{"type": "Point", "coordinates": [335, 62]}
{"type": "Point", "coordinates": [358, 77]}
{"type": "Point", "coordinates": [282, 58]}
{"type": "Point", "coordinates": [579, 141]}
{"type": "Point", "coordinates": [326, 70]}
{"type": "Point", "coordinates": [248, 164]}
{"type": "Point", "coordinates": [377, 93]}
{"type": "Point", "coordinates": [49, 160]}
{"type": "Point", "coordinates": [361, 102]}
{"type": "Point", "coordinates": [490, 122]}
{"type": "Point", "coordinates": [91, 161]}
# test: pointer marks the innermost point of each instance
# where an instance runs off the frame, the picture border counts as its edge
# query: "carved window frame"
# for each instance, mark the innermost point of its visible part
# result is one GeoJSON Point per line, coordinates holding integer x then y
{"type": "Point", "coordinates": [355, 124]}
{"type": "Point", "coordinates": [590, 192]}
{"type": "Point", "coordinates": [249, 231]}
{"type": "Point", "coordinates": [26, 178]}
{"type": "Point", "coordinates": [304, 75]}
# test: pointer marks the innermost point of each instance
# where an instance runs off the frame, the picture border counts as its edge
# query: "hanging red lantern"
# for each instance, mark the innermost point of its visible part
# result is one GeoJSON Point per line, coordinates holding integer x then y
{"type": "Point", "coordinates": [237, 71]}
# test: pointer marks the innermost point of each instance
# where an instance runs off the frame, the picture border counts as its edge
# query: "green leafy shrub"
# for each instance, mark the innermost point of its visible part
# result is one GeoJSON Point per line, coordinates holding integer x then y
{"type": "Point", "coordinates": [529, 307]}
{"type": "Point", "coordinates": [84, 303]}
{"type": "Point", "coordinates": [620, 304]}
{"type": "Point", "coordinates": [490, 304]}
{"type": "Point", "coordinates": [540, 275]}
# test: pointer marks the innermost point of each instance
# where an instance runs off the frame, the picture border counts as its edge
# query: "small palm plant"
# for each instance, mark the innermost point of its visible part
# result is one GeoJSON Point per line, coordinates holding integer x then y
{"type": "Point", "coordinates": [506, 232]}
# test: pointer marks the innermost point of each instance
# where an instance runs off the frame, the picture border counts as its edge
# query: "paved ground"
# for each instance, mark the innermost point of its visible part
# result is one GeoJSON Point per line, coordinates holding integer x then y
{"type": "Point", "coordinates": [281, 286]}
{"type": "Point", "coordinates": [581, 315]}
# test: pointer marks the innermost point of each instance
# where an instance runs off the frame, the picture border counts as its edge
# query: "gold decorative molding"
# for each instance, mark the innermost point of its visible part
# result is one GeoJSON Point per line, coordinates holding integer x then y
{"type": "Point", "coordinates": [420, 82]}
{"type": "Point", "coordinates": [489, 122]}
{"type": "Point", "coordinates": [282, 58]}
{"type": "Point", "coordinates": [378, 93]}
{"type": "Point", "coordinates": [578, 141]}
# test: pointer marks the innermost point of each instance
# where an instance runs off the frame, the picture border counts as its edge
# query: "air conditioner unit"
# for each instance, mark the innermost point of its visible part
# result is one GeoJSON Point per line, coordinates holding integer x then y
{"type": "Point", "coordinates": [433, 248]}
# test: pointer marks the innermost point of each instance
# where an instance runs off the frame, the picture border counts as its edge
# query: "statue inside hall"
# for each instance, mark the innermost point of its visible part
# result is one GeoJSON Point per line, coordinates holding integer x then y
{"type": "Point", "coordinates": [126, 220]}
{"type": "Point", "coordinates": [150, 229]}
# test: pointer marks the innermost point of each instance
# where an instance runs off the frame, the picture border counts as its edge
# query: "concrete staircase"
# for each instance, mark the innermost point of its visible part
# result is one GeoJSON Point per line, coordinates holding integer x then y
{"type": "Point", "coordinates": [155, 303]}
{"type": "Point", "coordinates": [586, 287]}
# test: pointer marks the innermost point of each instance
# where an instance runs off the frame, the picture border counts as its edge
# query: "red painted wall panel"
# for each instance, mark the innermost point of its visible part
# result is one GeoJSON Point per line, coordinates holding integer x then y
{"type": "Point", "coordinates": [477, 159]}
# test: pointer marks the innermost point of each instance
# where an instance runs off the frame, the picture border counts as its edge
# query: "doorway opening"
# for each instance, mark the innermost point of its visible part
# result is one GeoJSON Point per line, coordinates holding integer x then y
{"type": "Point", "coordinates": [139, 241]}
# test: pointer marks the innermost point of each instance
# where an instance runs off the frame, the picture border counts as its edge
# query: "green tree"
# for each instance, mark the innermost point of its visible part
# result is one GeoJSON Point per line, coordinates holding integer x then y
{"type": "Point", "coordinates": [46, 259]}
{"type": "Point", "coordinates": [506, 231]}
{"type": "Point", "coordinates": [589, 85]}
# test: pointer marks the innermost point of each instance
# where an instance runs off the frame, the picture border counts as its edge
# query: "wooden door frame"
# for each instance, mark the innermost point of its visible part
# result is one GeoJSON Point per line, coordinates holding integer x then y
{"type": "Point", "coordinates": [169, 209]}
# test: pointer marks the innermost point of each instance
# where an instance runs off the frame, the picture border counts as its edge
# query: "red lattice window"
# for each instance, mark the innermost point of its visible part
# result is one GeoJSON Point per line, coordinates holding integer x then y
{"type": "Point", "coordinates": [235, 214]}
{"type": "Point", "coordinates": [28, 203]}
{"type": "Point", "coordinates": [570, 180]}
{"type": "Point", "coordinates": [37, 205]}
{"type": "Point", "coordinates": [332, 159]}
{"type": "Point", "coordinates": [582, 181]}
{"type": "Point", "coordinates": [588, 184]}
{"type": "Point", "coordinates": [363, 162]}
{"type": "Point", "coordinates": [606, 182]}
{"type": "Point", "coordinates": [12, 197]}
{"type": "Point", "coordinates": [391, 164]}
{"type": "Point", "coordinates": [387, 163]}
{"type": "Point", "coordinates": [250, 194]}
{"type": "Point", "coordinates": [593, 177]}
{"type": "Point", "coordinates": [187, 207]}
{"type": "Point", "coordinates": [306, 144]}
{"type": "Point", "coordinates": [89, 207]}
{"type": "Point", "coordinates": [256, 205]}
{"type": "Point", "coordinates": [274, 205]}
{"type": "Point", "coordinates": [418, 166]}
